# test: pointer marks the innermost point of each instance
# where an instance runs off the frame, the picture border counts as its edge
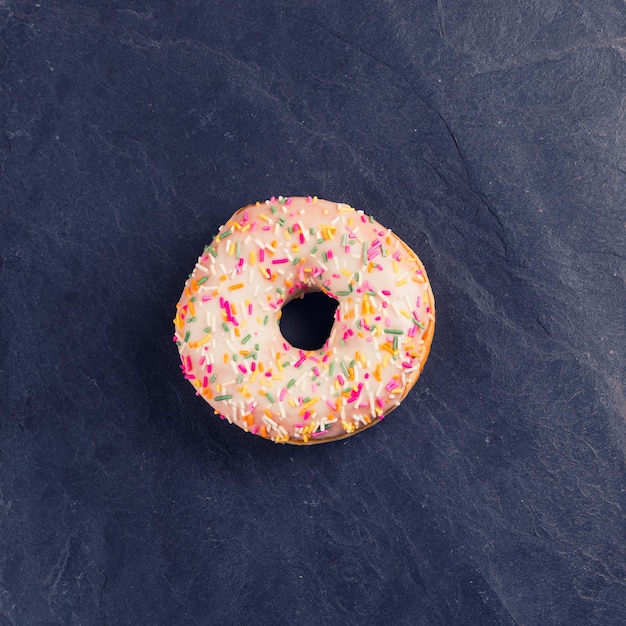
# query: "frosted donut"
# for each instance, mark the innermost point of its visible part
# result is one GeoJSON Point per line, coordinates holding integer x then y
{"type": "Point", "coordinates": [227, 321]}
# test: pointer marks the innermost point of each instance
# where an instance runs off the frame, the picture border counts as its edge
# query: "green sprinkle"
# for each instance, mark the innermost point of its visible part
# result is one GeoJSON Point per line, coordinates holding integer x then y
{"type": "Point", "coordinates": [213, 378]}
{"type": "Point", "coordinates": [393, 331]}
{"type": "Point", "coordinates": [365, 246]}
{"type": "Point", "coordinates": [270, 397]}
{"type": "Point", "coordinates": [325, 256]}
{"type": "Point", "coordinates": [225, 326]}
{"type": "Point", "coordinates": [280, 291]}
{"type": "Point", "coordinates": [357, 278]}
{"type": "Point", "coordinates": [344, 241]}
{"type": "Point", "coordinates": [203, 280]}
{"type": "Point", "coordinates": [418, 323]}
{"type": "Point", "coordinates": [290, 230]}
{"type": "Point", "coordinates": [266, 320]}
{"type": "Point", "coordinates": [311, 231]}
{"type": "Point", "coordinates": [246, 339]}
{"type": "Point", "coordinates": [342, 293]}
{"type": "Point", "coordinates": [286, 363]}
{"type": "Point", "coordinates": [224, 397]}
{"type": "Point", "coordinates": [281, 221]}
{"type": "Point", "coordinates": [314, 250]}
{"type": "Point", "coordinates": [192, 319]}
{"type": "Point", "coordinates": [291, 383]}
{"type": "Point", "coordinates": [224, 235]}
{"type": "Point", "coordinates": [193, 298]}
{"type": "Point", "coordinates": [235, 358]}
{"type": "Point", "coordinates": [207, 329]}
{"type": "Point", "coordinates": [257, 346]}
{"type": "Point", "coordinates": [272, 208]}
{"type": "Point", "coordinates": [345, 369]}
{"type": "Point", "coordinates": [239, 379]}
{"type": "Point", "coordinates": [296, 261]}
{"type": "Point", "coordinates": [238, 250]}
{"type": "Point", "coordinates": [321, 240]}
{"type": "Point", "coordinates": [395, 342]}
{"type": "Point", "coordinates": [187, 336]}
{"type": "Point", "coordinates": [331, 369]}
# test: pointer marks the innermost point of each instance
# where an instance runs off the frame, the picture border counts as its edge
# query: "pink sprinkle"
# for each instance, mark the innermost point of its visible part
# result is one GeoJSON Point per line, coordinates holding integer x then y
{"type": "Point", "coordinates": [309, 199]}
{"type": "Point", "coordinates": [202, 360]}
{"type": "Point", "coordinates": [288, 201]}
{"type": "Point", "coordinates": [261, 255]}
{"type": "Point", "coordinates": [329, 254]}
{"type": "Point", "coordinates": [268, 374]}
{"type": "Point", "coordinates": [273, 199]}
{"type": "Point", "coordinates": [267, 228]}
{"type": "Point", "coordinates": [205, 381]}
{"type": "Point", "coordinates": [283, 393]}
{"type": "Point", "coordinates": [306, 415]}
{"type": "Point", "coordinates": [253, 366]}
{"type": "Point", "coordinates": [278, 261]}
{"type": "Point", "coordinates": [386, 292]}
{"type": "Point", "coordinates": [334, 407]}
{"type": "Point", "coordinates": [209, 369]}
{"type": "Point", "coordinates": [245, 216]}
{"type": "Point", "coordinates": [302, 240]}
{"type": "Point", "coordinates": [254, 429]}
{"type": "Point", "coordinates": [341, 379]}
{"type": "Point", "coordinates": [250, 309]}
{"type": "Point", "coordinates": [189, 363]}
{"type": "Point", "coordinates": [412, 331]}
{"type": "Point", "coordinates": [206, 298]}
{"type": "Point", "coordinates": [286, 346]}
{"type": "Point", "coordinates": [242, 368]}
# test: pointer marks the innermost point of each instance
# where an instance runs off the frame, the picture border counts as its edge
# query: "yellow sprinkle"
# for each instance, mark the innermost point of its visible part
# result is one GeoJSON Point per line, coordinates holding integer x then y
{"type": "Point", "coordinates": [395, 267]}
{"type": "Point", "coordinates": [310, 403]}
{"type": "Point", "coordinates": [264, 217]}
{"type": "Point", "coordinates": [201, 342]}
{"type": "Point", "coordinates": [237, 332]}
{"type": "Point", "coordinates": [405, 313]}
{"type": "Point", "coordinates": [245, 228]}
{"type": "Point", "coordinates": [399, 283]}
{"type": "Point", "coordinates": [252, 258]}
{"type": "Point", "coordinates": [237, 286]}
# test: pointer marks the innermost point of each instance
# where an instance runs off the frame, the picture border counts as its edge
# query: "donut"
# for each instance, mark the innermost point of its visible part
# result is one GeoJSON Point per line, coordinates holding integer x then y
{"type": "Point", "coordinates": [227, 323]}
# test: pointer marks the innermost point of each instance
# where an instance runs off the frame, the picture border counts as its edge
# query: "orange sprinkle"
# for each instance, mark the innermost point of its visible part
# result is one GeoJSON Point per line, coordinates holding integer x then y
{"type": "Point", "coordinates": [236, 286]}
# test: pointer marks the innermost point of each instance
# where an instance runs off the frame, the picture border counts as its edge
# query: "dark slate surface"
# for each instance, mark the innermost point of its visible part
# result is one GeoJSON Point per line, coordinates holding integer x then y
{"type": "Point", "coordinates": [489, 135]}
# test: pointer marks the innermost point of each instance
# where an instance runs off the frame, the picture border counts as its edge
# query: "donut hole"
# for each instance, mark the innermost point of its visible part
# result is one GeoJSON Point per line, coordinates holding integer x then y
{"type": "Point", "coordinates": [306, 321]}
